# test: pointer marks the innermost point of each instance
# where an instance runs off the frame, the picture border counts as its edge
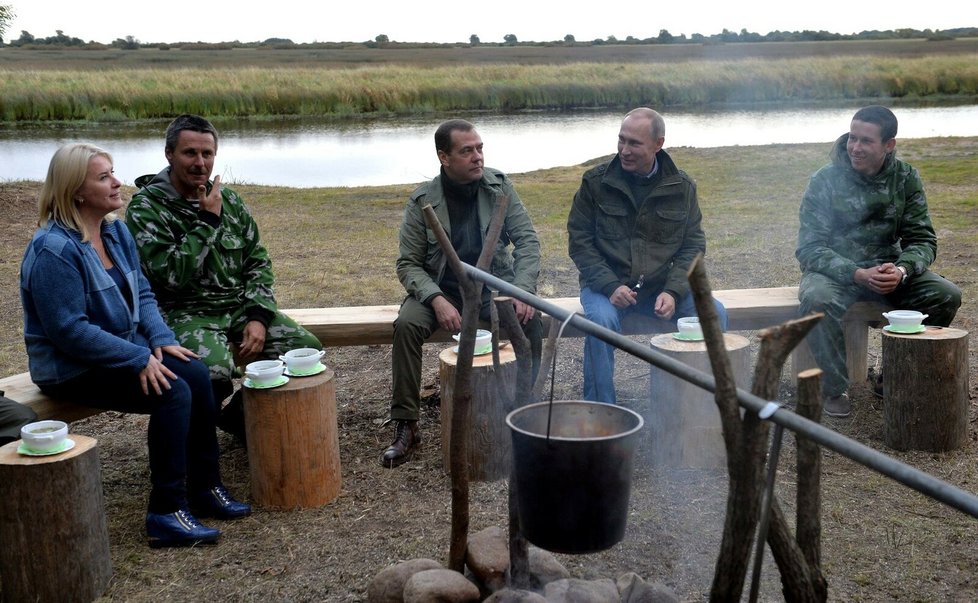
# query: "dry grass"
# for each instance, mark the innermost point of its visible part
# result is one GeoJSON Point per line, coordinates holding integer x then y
{"type": "Point", "coordinates": [881, 542]}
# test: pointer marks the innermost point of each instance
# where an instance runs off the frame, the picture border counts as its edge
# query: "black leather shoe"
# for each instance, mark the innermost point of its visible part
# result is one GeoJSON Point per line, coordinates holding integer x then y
{"type": "Point", "coordinates": [407, 439]}
{"type": "Point", "coordinates": [216, 502]}
{"type": "Point", "coordinates": [178, 529]}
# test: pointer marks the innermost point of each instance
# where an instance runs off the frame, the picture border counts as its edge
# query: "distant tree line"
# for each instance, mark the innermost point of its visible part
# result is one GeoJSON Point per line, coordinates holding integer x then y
{"type": "Point", "coordinates": [60, 39]}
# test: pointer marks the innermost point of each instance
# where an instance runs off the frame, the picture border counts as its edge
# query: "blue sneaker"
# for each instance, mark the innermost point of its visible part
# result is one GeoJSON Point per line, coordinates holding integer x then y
{"type": "Point", "coordinates": [178, 529]}
{"type": "Point", "coordinates": [217, 502]}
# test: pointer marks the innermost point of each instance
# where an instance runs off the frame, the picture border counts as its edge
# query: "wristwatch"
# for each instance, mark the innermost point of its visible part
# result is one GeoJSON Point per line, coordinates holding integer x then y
{"type": "Point", "coordinates": [903, 280]}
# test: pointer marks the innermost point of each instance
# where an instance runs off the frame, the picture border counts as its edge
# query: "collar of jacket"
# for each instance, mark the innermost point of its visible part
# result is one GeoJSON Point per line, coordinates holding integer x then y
{"type": "Point", "coordinates": [161, 182]}
{"type": "Point", "coordinates": [489, 185]}
{"type": "Point", "coordinates": [615, 176]}
{"type": "Point", "coordinates": [840, 159]}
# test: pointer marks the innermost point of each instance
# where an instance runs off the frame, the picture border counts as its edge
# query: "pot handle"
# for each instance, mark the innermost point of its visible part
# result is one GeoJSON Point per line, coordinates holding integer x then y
{"type": "Point", "coordinates": [553, 372]}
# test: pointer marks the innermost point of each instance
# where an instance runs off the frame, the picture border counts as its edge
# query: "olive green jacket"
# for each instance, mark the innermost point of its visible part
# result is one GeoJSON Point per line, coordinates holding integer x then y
{"type": "Point", "coordinates": [614, 239]}
{"type": "Point", "coordinates": [848, 221]}
{"type": "Point", "coordinates": [421, 263]}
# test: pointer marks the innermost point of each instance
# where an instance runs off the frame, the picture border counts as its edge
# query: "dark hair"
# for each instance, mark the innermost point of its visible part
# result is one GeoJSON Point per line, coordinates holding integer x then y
{"type": "Point", "coordinates": [882, 117]}
{"type": "Point", "coordinates": [194, 123]}
{"type": "Point", "coordinates": [443, 135]}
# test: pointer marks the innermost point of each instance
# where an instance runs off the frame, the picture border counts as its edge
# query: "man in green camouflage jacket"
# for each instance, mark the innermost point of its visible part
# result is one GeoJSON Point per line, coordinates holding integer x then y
{"type": "Point", "coordinates": [201, 252]}
{"type": "Point", "coordinates": [865, 234]}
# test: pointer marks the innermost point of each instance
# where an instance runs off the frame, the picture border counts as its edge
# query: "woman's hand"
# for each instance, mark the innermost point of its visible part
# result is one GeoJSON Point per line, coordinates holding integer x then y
{"type": "Point", "coordinates": [156, 375]}
{"type": "Point", "coordinates": [177, 351]}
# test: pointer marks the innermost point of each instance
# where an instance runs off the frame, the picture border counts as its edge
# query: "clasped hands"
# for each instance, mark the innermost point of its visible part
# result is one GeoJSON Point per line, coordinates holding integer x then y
{"type": "Point", "coordinates": [882, 279]}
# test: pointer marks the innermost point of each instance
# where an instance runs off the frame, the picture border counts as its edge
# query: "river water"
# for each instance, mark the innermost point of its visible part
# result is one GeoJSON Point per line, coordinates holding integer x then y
{"type": "Point", "coordinates": [311, 153]}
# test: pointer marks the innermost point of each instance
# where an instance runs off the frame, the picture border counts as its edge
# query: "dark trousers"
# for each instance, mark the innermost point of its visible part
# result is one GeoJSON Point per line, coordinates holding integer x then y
{"type": "Point", "coordinates": [13, 416]}
{"type": "Point", "coordinates": [183, 448]}
{"type": "Point", "coordinates": [414, 324]}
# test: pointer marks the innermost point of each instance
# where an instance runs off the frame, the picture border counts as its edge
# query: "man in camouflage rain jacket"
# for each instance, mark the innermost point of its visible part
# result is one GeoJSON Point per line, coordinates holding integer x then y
{"type": "Point", "coordinates": [865, 234]}
{"type": "Point", "coordinates": [200, 250]}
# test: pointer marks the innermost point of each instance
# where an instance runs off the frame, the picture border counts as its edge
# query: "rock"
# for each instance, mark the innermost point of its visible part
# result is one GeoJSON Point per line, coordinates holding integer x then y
{"type": "Point", "coordinates": [633, 589]}
{"type": "Point", "coordinates": [388, 585]}
{"type": "Point", "coordinates": [514, 596]}
{"type": "Point", "coordinates": [544, 568]}
{"type": "Point", "coordinates": [573, 590]}
{"type": "Point", "coordinates": [439, 586]}
{"type": "Point", "coordinates": [487, 557]}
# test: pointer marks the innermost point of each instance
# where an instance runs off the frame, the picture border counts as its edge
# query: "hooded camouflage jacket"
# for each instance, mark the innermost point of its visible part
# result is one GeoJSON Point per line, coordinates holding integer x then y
{"type": "Point", "coordinates": [199, 264]}
{"type": "Point", "coordinates": [849, 221]}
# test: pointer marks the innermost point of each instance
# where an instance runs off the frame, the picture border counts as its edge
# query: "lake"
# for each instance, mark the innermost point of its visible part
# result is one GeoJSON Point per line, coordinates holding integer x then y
{"type": "Point", "coordinates": [309, 153]}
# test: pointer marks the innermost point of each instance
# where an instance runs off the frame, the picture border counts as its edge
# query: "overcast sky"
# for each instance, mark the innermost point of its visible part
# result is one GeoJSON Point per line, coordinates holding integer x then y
{"type": "Point", "coordinates": [427, 21]}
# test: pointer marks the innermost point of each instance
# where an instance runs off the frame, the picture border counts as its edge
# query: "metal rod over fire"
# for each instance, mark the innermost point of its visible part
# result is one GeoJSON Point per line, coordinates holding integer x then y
{"type": "Point", "coordinates": [901, 472]}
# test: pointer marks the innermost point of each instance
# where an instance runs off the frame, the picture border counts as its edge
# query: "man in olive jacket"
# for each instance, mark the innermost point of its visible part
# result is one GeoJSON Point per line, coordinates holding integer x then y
{"type": "Point", "coordinates": [634, 228]}
{"type": "Point", "coordinates": [865, 234]}
{"type": "Point", "coordinates": [463, 196]}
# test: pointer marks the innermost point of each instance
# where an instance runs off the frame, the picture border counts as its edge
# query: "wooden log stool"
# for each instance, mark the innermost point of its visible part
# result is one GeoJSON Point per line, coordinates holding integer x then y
{"type": "Point", "coordinates": [293, 444]}
{"type": "Point", "coordinates": [925, 389]}
{"type": "Point", "coordinates": [493, 397]}
{"type": "Point", "coordinates": [684, 421]}
{"type": "Point", "coordinates": [54, 540]}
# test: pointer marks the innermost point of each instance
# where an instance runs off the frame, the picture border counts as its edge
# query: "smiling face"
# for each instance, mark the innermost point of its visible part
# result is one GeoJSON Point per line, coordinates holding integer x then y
{"type": "Point", "coordinates": [636, 146]}
{"type": "Point", "coordinates": [191, 161]}
{"type": "Point", "coordinates": [99, 194]}
{"type": "Point", "coordinates": [866, 149]}
{"type": "Point", "coordinates": [464, 163]}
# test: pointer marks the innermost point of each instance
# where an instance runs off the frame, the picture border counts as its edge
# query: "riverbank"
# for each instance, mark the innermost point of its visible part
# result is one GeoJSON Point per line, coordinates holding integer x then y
{"type": "Point", "coordinates": [337, 246]}
{"type": "Point", "coordinates": [153, 83]}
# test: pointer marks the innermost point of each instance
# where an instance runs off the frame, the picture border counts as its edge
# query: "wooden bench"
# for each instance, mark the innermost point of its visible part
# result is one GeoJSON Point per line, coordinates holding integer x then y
{"type": "Point", "coordinates": [747, 310]}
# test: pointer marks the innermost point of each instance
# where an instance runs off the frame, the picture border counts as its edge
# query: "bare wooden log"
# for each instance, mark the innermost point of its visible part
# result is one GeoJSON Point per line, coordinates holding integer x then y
{"type": "Point", "coordinates": [925, 390]}
{"type": "Point", "coordinates": [745, 456]}
{"type": "Point", "coordinates": [519, 563]}
{"type": "Point", "coordinates": [293, 443]}
{"type": "Point", "coordinates": [776, 345]}
{"type": "Point", "coordinates": [808, 515]}
{"type": "Point", "coordinates": [471, 302]}
{"type": "Point", "coordinates": [493, 388]}
{"type": "Point", "coordinates": [52, 525]}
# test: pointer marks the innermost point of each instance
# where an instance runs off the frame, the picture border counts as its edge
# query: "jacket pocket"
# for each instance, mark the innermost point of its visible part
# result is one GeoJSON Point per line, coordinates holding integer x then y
{"type": "Point", "coordinates": [613, 220]}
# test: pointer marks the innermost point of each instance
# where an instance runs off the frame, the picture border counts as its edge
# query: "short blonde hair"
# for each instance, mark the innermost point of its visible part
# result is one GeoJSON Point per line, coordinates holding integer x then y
{"type": "Point", "coordinates": [66, 174]}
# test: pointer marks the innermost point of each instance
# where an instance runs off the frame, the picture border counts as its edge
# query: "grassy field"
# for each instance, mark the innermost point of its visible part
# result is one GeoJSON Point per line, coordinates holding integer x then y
{"type": "Point", "coordinates": [880, 541]}
{"type": "Point", "coordinates": [108, 85]}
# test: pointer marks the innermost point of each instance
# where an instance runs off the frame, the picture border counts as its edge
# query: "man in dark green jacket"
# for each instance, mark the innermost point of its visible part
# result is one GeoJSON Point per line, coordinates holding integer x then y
{"type": "Point", "coordinates": [865, 234]}
{"type": "Point", "coordinates": [633, 231]}
{"type": "Point", "coordinates": [463, 196]}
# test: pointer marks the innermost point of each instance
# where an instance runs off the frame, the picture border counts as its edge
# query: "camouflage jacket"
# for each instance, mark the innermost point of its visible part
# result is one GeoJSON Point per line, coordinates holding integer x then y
{"type": "Point", "coordinates": [848, 221]}
{"type": "Point", "coordinates": [194, 265]}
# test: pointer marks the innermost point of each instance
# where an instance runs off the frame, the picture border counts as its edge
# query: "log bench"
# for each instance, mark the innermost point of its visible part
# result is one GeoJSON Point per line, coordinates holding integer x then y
{"type": "Point", "coordinates": [747, 310]}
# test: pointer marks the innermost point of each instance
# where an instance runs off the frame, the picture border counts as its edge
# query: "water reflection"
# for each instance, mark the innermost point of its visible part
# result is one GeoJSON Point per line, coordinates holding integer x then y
{"type": "Point", "coordinates": [308, 153]}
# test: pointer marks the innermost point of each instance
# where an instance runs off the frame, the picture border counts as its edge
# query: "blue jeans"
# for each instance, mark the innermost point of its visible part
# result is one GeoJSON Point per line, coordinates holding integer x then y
{"type": "Point", "coordinates": [599, 357]}
{"type": "Point", "coordinates": [182, 438]}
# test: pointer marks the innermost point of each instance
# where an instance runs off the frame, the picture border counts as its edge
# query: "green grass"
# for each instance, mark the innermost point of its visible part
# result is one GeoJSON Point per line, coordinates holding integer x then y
{"type": "Point", "coordinates": [143, 89]}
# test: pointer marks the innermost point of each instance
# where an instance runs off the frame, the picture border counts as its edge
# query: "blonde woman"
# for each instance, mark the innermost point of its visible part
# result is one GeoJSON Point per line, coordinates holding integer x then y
{"type": "Point", "coordinates": [95, 336]}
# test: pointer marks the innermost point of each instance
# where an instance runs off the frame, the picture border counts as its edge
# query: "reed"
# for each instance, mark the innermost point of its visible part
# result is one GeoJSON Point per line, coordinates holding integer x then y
{"type": "Point", "coordinates": [150, 93]}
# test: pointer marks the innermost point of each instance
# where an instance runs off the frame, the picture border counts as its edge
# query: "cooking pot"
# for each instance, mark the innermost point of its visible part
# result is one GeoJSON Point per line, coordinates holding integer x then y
{"type": "Point", "coordinates": [572, 467]}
